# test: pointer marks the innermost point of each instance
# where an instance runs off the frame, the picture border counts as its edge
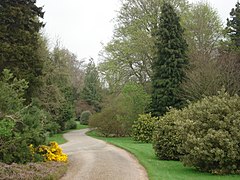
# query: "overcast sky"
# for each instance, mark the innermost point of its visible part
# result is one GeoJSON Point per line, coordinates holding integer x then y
{"type": "Point", "coordinates": [83, 25]}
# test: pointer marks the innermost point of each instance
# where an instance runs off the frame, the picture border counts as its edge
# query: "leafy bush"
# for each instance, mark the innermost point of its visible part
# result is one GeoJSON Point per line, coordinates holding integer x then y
{"type": "Point", "coordinates": [142, 129]}
{"type": "Point", "coordinates": [11, 93]}
{"type": "Point", "coordinates": [117, 118]}
{"type": "Point", "coordinates": [24, 129]}
{"type": "Point", "coordinates": [134, 99]}
{"type": "Point", "coordinates": [166, 138]}
{"type": "Point", "coordinates": [109, 123]}
{"type": "Point", "coordinates": [85, 115]}
{"type": "Point", "coordinates": [211, 135]}
{"type": "Point", "coordinates": [20, 125]}
{"type": "Point", "coordinates": [52, 128]}
{"type": "Point", "coordinates": [66, 113]}
{"type": "Point", "coordinates": [71, 124]}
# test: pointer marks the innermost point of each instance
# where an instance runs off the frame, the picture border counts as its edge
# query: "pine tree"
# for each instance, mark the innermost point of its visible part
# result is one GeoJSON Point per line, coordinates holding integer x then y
{"type": "Point", "coordinates": [19, 35]}
{"type": "Point", "coordinates": [169, 63]}
{"type": "Point", "coordinates": [233, 25]}
{"type": "Point", "coordinates": [91, 90]}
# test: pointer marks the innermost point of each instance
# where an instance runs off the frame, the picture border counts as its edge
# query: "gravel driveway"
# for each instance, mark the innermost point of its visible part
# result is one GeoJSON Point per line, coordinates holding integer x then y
{"type": "Point", "coordinates": [92, 159]}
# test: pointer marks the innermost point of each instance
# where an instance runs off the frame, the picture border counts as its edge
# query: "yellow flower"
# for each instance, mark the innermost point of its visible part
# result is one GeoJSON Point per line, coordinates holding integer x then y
{"type": "Point", "coordinates": [52, 152]}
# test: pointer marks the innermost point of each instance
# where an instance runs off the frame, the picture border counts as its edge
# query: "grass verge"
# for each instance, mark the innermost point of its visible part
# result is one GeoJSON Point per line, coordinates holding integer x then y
{"type": "Point", "coordinates": [59, 137]}
{"type": "Point", "coordinates": [43, 170]}
{"type": "Point", "coordinates": [80, 126]}
{"type": "Point", "coordinates": [157, 169]}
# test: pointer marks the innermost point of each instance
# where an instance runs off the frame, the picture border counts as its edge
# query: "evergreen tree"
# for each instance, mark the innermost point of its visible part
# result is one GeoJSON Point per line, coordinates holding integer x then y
{"type": "Point", "coordinates": [19, 35]}
{"type": "Point", "coordinates": [233, 25]}
{"type": "Point", "coordinates": [169, 62]}
{"type": "Point", "coordinates": [91, 90]}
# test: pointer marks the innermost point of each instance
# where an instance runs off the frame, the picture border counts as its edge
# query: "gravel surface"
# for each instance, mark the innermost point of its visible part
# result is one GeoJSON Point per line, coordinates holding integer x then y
{"type": "Point", "coordinates": [92, 159]}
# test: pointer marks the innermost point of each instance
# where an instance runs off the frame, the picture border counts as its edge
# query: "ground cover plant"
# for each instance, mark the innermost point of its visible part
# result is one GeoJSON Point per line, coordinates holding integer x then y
{"type": "Point", "coordinates": [43, 170]}
{"type": "Point", "coordinates": [159, 169]}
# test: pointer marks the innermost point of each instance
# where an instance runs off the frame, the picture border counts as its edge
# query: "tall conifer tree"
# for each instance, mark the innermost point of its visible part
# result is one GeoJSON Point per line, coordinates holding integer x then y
{"type": "Point", "coordinates": [233, 25]}
{"type": "Point", "coordinates": [91, 92]}
{"type": "Point", "coordinates": [19, 40]}
{"type": "Point", "coordinates": [169, 63]}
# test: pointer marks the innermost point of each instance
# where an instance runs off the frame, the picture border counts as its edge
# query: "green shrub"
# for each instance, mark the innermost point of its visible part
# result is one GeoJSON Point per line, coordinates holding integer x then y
{"type": "Point", "coordinates": [20, 125]}
{"type": "Point", "coordinates": [109, 122]}
{"type": "Point", "coordinates": [11, 93]}
{"type": "Point", "coordinates": [117, 118]}
{"type": "Point", "coordinates": [85, 115]}
{"type": "Point", "coordinates": [71, 124]}
{"type": "Point", "coordinates": [52, 128]}
{"type": "Point", "coordinates": [142, 129]}
{"type": "Point", "coordinates": [211, 135]}
{"type": "Point", "coordinates": [166, 135]}
{"type": "Point", "coordinates": [32, 131]}
{"type": "Point", "coordinates": [66, 113]}
{"type": "Point", "coordinates": [28, 129]}
{"type": "Point", "coordinates": [134, 99]}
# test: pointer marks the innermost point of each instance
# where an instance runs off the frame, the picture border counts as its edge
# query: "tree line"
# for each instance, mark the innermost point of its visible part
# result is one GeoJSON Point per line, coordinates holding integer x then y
{"type": "Point", "coordinates": [42, 91]}
{"type": "Point", "coordinates": [176, 54]}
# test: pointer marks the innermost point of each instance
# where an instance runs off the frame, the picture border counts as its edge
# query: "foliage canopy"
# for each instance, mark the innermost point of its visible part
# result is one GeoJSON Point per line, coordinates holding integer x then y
{"type": "Point", "coordinates": [19, 34]}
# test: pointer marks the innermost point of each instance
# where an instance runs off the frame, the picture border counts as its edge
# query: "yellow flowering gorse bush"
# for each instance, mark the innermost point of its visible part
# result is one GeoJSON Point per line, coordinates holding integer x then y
{"type": "Point", "coordinates": [50, 153]}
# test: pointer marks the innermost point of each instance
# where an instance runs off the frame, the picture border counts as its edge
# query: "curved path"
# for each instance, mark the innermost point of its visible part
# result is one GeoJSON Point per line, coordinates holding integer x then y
{"type": "Point", "coordinates": [92, 159]}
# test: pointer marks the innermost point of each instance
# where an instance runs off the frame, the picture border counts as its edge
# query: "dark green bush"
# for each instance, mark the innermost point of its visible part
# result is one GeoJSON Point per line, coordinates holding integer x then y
{"type": "Point", "coordinates": [66, 113]}
{"type": "Point", "coordinates": [85, 115]}
{"type": "Point", "coordinates": [142, 129]}
{"type": "Point", "coordinates": [27, 129]}
{"type": "Point", "coordinates": [211, 135]}
{"type": "Point", "coordinates": [166, 138]}
{"type": "Point", "coordinates": [52, 128]}
{"type": "Point", "coordinates": [71, 124]}
{"type": "Point", "coordinates": [20, 125]}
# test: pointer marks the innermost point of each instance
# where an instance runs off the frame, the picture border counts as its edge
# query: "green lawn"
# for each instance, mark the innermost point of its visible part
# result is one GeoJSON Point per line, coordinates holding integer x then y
{"type": "Point", "coordinates": [80, 126]}
{"type": "Point", "coordinates": [156, 169]}
{"type": "Point", "coordinates": [59, 137]}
